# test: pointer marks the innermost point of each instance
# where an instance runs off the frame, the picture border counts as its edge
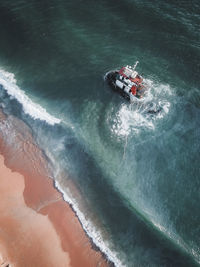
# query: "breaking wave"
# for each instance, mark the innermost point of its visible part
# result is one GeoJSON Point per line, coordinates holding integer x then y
{"type": "Point", "coordinates": [8, 81]}
{"type": "Point", "coordinates": [90, 229]}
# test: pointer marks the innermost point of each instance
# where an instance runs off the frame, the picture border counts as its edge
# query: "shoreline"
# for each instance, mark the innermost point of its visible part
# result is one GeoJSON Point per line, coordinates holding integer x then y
{"type": "Point", "coordinates": [42, 198]}
{"type": "Point", "coordinates": [9, 85]}
{"type": "Point", "coordinates": [93, 234]}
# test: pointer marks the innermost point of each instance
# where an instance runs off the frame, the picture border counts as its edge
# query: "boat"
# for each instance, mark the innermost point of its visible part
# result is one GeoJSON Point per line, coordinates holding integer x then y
{"type": "Point", "coordinates": [127, 82]}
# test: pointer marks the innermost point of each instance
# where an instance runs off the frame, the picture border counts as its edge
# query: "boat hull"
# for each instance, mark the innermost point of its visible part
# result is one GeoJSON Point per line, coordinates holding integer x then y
{"type": "Point", "coordinates": [111, 78]}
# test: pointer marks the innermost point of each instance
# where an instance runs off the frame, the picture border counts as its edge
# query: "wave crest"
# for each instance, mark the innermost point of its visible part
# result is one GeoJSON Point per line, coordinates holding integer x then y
{"type": "Point", "coordinates": [9, 83]}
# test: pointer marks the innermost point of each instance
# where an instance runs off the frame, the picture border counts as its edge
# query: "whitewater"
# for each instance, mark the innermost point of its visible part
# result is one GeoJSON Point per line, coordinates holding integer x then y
{"type": "Point", "coordinates": [123, 122]}
{"type": "Point", "coordinates": [35, 111]}
{"type": "Point", "coordinates": [8, 81]}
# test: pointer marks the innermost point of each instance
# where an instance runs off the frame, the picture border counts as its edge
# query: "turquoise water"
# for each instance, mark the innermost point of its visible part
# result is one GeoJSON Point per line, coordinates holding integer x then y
{"type": "Point", "coordinates": [138, 173]}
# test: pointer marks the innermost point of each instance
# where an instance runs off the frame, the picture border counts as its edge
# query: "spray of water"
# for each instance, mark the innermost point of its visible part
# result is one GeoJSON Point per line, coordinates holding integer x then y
{"type": "Point", "coordinates": [143, 113]}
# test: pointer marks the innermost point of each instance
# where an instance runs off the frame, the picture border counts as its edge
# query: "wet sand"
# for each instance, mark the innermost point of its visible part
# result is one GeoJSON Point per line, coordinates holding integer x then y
{"type": "Point", "coordinates": [29, 238]}
{"type": "Point", "coordinates": [37, 227]}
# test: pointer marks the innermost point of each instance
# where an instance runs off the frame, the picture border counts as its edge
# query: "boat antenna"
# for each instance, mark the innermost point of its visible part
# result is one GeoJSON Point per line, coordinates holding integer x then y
{"type": "Point", "coordinates": [135, 65]}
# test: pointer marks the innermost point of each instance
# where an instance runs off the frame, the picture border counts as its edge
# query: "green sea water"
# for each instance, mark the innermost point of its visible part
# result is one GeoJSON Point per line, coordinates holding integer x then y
{"type": "Point", "coordinates": [138, 173]}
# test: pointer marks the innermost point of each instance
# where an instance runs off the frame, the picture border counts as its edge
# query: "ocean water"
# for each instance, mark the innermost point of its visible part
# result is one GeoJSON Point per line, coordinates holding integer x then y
{"type": "Point", "coordinates": [137, 174]}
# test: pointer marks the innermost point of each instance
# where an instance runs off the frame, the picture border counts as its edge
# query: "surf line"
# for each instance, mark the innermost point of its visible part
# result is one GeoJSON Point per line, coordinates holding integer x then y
{"type": "Point", "coordinates": [90, 229]}
{"type": "Point", "coordinates": [7, 80]}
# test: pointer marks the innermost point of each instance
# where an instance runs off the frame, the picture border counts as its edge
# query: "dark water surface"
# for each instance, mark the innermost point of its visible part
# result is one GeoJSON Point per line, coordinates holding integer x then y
{"type": "Point", "coordinates": [137, 173]}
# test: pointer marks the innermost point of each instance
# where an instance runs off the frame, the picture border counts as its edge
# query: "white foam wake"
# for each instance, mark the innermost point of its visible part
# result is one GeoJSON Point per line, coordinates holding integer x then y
{"type": "Point", "coordinates": [90, 229]}
{"type": "Point", "coordinates": [136, 116]}
{"type": "Point", "coordinates": [8, 81]}
{"type": "Point", "coordinates": [128, 120]}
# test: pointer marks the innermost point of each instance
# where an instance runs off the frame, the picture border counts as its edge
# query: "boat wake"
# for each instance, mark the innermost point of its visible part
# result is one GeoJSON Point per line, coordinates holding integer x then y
{"type": "Point", "coordinates": [143, 113]}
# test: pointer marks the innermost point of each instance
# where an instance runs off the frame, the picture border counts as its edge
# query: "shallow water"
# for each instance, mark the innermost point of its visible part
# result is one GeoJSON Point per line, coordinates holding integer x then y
{"type": "Point", "coordinates": [138, 173]}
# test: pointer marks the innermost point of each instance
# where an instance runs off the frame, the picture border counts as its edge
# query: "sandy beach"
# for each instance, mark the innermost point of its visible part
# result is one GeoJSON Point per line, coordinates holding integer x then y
{"type": "Point", "coordinates": [37, 227]}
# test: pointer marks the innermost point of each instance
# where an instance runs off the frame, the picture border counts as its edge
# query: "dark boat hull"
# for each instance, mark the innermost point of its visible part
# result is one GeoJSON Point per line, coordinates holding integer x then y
{"type": "Point", "coordinates": [111, 80]}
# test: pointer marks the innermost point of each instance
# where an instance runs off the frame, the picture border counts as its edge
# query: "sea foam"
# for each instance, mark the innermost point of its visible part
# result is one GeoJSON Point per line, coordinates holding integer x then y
{"type": "Point", "coordinates": [90, 229]}
{"type": "Point", "coordinates": [8, 81]}
{"type": "Point", "coordinates": [136, 117]}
